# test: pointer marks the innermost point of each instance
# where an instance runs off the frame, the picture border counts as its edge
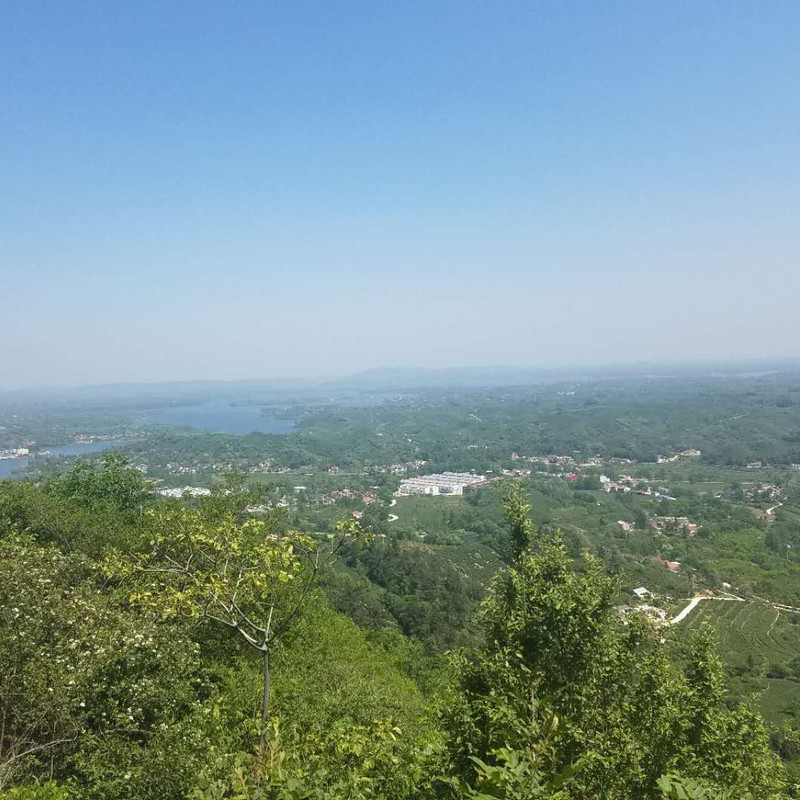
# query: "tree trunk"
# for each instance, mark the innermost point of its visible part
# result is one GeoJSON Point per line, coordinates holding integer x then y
{"type": "Point", "coordinates": [265, 700]}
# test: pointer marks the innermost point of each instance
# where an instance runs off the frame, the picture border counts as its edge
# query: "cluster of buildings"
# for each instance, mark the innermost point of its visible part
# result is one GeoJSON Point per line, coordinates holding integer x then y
{"type": "Point", "coordinates": [607, 485]}
{"type": "Point", "coordinates": [181, 469]}
{"type": "Point", "coordinates": [401, 469]}
{"type": "Point", "coordinates": [191, 491]}
{"type": "Point", "coordinates": [516, 473]}
{"type": "Point", "coordinates": [690, 453]}
{"type": "Point", "coordinates": [15, 452]}
{"type": "Point", "coordinates": [757, 493]}
{"type": "Point", "coordinates": [662, 524]}
{"type": "Point", "coordinates": [651, 612]}
{"type": "Point", "coordinates": [674, 524]}
{"type": "Point", "coordinates": [177, 468]}
{"type": "Point", "coordinates": [555, 460]}
{"type": "Point", "coordinates": [769, 491]}
{"type": "Point", "coordinates": [331, 498]}
{"type": "Point", "coordinates": [633, 482]}
{"type": "Point", "coordinates": [645, 608]}
{"type": "Point", "coordinates": [548, 461]}
{"type": "Point", "coordinates": [625, 483]}
{"type": "Point", "coordinates": [265, 508]}
{"type": "Point", "coordinates": [452, 483]}
{"type": "Point", "coordinates": [598, 461]}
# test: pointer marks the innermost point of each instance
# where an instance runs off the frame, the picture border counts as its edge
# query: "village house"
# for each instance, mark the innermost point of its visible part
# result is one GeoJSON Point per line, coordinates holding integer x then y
{"type": "Point", "coordinates": [628, 527]}
{"type": "Point", "coordinates": [673, 523]}
{"type": "Point", "coordinates": [607, 485]}
{"type": "Point", "coordinates": [657, 615]}
{"type": "Point", "coordinates": [631, 481]}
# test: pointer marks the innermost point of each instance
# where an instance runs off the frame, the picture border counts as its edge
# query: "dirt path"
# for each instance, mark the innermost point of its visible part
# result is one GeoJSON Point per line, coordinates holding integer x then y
{"type": "Point", "coordinates": [694, 602]}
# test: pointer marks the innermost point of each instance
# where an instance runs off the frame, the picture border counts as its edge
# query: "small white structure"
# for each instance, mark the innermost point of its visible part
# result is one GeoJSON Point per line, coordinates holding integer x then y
{"type": "Point", "coordinates": [642, 593]}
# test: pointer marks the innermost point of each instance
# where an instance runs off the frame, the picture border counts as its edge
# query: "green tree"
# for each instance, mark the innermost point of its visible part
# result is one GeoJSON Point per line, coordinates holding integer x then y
{"type": "Point", "coordinates": [107, 481]}
{"type": "Point", "coordinates": [519, 524]}
{"type": "Point", "coordinates": [241, 574]}
{"type": "Point", "coordinates": [627, 712]}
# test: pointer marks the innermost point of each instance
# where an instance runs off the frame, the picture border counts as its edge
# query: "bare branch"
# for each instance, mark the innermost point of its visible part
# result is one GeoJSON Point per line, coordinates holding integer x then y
{"type": "Point", "coordinates": [293, 613]}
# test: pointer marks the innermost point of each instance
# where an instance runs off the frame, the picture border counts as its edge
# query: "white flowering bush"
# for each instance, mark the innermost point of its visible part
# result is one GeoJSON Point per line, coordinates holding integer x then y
{"type": "Point", "coordinates": [90, 688]}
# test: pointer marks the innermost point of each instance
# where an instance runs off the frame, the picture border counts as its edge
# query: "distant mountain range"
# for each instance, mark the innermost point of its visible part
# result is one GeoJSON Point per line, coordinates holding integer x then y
{"type": "Point", "coordinates": [521, 376]}
{"type": "Point", "coordinates": [390, 379]}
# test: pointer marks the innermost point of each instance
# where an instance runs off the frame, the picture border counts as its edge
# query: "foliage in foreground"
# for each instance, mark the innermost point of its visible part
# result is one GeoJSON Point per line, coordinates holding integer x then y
{"type": "Point", "coordinates": [119, 679]}
{"type": "Point", "coordinates": [629, 711]}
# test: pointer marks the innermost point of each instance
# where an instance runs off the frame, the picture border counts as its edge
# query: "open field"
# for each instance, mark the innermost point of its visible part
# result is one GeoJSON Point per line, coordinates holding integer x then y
{"type": "Point", "coordinates": [430, 513]}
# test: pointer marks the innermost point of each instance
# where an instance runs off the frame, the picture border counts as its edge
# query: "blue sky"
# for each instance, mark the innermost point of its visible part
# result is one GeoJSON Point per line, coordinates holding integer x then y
{"type": "Point", "coordinates": [251, 189]}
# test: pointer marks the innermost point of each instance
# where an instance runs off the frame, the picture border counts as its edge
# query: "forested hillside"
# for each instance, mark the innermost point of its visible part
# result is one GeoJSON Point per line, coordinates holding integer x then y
{"type": "Point", "coordinates": [156, 648]}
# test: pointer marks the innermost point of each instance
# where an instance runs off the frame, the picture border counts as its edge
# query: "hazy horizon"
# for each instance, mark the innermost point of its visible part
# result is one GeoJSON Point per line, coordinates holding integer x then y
{"type": "Point", "coordinates": [469, 375]}
{"type": "Point", "coordinates": [207, 191]}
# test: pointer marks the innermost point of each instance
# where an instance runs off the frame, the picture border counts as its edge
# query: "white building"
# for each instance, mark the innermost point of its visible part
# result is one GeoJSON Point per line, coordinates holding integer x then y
{"type": "Point", "coordinates": [191, 491]}
{"type": "Point", "coordinates": [442, 483]}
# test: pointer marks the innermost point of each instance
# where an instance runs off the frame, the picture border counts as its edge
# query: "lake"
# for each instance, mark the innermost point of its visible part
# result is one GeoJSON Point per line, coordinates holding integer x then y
{"type": "Point", "coordinates": [218, 416]}
{"type": "Point", "coordinates": [214, 416]}
{"type": "Point", "coordinates": [11, 465]}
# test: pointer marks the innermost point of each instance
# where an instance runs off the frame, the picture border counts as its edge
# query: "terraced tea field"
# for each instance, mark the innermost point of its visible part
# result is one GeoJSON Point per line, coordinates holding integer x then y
{"type": "Point", "coordinates": [758, 644]}
{"type": "Point", "coordinates": [474, 560]}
